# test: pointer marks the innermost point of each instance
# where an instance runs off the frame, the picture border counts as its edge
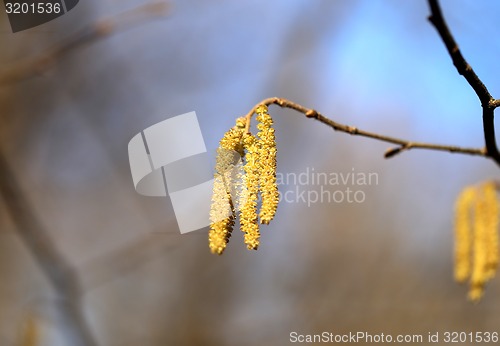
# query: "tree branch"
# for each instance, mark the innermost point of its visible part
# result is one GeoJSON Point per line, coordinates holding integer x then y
{"type": "Point", "coordinates": [487, 101]}
{"type": "Point", "coordinates": [488, 104]}
{"type": "Point", "coordinates": [63, 278]}
{"type": "Point", "coordinates": [51, 262]}
{"type": "Point", "coordinates": [402, 144]}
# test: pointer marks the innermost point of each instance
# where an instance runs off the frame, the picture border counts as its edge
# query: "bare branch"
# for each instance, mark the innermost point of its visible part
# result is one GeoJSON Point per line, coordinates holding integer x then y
{"type": "Point", "coordinates": [488, 104]}
{"type": "Point", "coordinates": [98, 30]}
{"type": "Point", "coordinates": [402, 145]}
{"type": "Point", "coordinates": [117, 263]}
{"type": "Point", "coordinates": [463, 67]}
{"type": "Point", "coordinates": [51, 262]}
{"type": "Point", "coordinates": [487, 101]}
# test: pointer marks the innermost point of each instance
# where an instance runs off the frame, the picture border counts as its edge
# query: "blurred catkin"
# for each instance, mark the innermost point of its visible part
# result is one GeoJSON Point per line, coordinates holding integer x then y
{"type": "Point", "coordinates": [267, 165]}
{"type": "Point", "coordinates": [463, 234]}
{"type": "Point", "coordinates": [478, 278]}
{"type": "Point", "coordinates": [476, 237]}
{"type": "Point", "coordinates": [492, 204]}
{"type": "Point", "coordinates": [30, 335]}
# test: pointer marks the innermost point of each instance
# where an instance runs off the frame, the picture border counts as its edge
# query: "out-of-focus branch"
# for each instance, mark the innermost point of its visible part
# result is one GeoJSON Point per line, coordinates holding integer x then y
{"type": "Point", "coordinates": [63, 278]}
{"type": "Point", "coordinates": [402, 144]}
{"type": "Point", "coordinates": [119, 262]}
{"type": "Point", "coordinates": [487, 101]}
{"type": "Point", "coordinates": [51, 262]}
{"type": "Point", "coordinates": [98, 30]}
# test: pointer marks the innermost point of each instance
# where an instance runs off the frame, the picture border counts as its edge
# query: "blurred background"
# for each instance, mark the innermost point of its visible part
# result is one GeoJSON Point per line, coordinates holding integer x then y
{"type": "Point", "coordinates": [129, 277]}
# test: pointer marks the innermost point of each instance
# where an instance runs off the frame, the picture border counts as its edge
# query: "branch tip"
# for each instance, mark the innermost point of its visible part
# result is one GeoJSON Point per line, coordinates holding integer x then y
{"type": "Point", "coordinates": [392, 152]}
{"type": "Point", "coordinates": [465, 69]}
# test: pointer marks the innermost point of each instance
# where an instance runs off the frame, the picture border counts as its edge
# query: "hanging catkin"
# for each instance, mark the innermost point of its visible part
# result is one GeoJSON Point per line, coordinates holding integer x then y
{"type": "Point", "coordinates": [267, 165]}
{"type": "Point", "coordinates": [222, 212]}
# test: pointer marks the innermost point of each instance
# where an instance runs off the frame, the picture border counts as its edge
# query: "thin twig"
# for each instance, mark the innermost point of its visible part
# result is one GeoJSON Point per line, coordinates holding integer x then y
{"type": "Point", "coordinates": [488, 104]}
{"type": "Point", "coordinates": [487, 101]}
{"type": "Point", "coordinates": [402, 144]}
{"type": "Point", "coordinates": [98, 30]}
{"type": "Point", "coordinates": [52, 263]}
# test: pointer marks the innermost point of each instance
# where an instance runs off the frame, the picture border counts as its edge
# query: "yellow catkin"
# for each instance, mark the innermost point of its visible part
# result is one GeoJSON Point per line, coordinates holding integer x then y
{"type": "Point", "coordinates": [30, 335]}
{"type": "Point", "coordinates": [463, 234]}
{"type": "Point", "coordinates": [491, 223]}
{"type": "Point", "coordinates": [476, 239]}
{"type": "Point", "coordinates": [480, 248]}
{"type": "Point", "coordinates": [222, 213]}
{"type": "Point", "coordinates": [248, 204]}
{"type": "Point", "coordinates": [221, 218]}
{"type": "Point", "coordinates": [267, 165]}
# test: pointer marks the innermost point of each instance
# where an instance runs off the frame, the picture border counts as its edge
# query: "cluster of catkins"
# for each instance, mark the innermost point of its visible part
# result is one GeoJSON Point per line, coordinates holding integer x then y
{"type": "Point", "coordinates": [476, 237]}
{"type": "Point", "coordinates": [245, 167]}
